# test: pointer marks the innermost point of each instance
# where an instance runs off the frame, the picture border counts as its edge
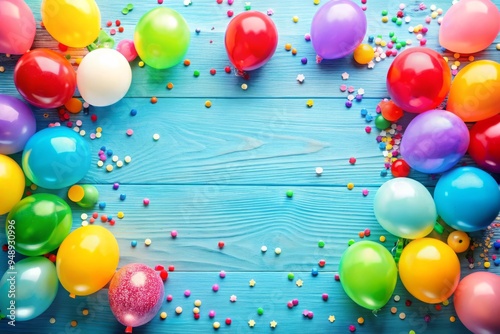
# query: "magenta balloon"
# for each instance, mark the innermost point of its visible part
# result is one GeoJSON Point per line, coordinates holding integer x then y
{"type": "Point", "coordinates": [434, 141]}
{"type": "Point", "coordinates": [127, 48]}
{"type": "Point", "coordinates": [135, 294]}
{"type": "Point", "coordinates": [17, 27]}
{"type": "Point", "coordinates": [477, 302]}
{"type": "Point", "coordinates": [17, 124]}
{"type": "Point", "coordinates": [338, 27]}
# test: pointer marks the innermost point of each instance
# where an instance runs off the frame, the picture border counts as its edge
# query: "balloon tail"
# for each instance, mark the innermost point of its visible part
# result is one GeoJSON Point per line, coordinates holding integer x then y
{"type": "Point", "coordinates": [375, 312]}
{"type": "Point", "coordinates": [72, 295]}
{"type": "Point", "coordinates": [242, 74]}
{"type": "Point", "coordinates": [319, 59]}
{"type": "Point", "coordinates": [128, 329]}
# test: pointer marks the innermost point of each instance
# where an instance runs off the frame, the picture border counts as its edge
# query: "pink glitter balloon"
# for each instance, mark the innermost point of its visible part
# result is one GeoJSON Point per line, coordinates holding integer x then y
{"type": "Point", "coordinates": [135, 294]}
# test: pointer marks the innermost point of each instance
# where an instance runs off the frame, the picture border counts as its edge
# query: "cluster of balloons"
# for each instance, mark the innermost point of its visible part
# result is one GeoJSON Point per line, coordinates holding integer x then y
{"type": "Point", "coordinates": [251, 39]}
{"type": "Point", "coordinates": [337, 29]}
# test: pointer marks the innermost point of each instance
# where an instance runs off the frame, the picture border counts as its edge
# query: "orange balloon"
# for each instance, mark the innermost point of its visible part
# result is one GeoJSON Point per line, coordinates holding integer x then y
{"type": "Point", "coordinates": [474, 91]}
{"type": "Point", "coordinates": [87, 260]}
{"type": "Point", "coordinates": [459, 241]}
{"type": "Point", "coordinates": [429, 270]}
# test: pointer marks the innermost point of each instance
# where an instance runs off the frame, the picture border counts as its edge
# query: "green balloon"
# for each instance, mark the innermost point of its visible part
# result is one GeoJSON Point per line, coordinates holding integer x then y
{"type": "Point", "coordinates": [40, 223]}
{"type": "Point", "coordinates": [162, 37]}
{"type": "Point", "coordinates": [368, 274]}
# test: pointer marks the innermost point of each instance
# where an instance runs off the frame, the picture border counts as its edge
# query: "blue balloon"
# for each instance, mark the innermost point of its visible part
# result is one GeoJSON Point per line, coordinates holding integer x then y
{"type": "Point", "coordinates": [56, 157]}
{"type": "Point", "coordinates": [467, 198]}
{"type": "Point", "coordinates": [405, 208]}
{"type": "Point", "coordinates": [28, 288]}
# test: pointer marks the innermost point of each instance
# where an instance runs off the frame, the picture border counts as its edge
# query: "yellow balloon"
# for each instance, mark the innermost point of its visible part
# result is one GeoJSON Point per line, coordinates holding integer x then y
{"type": "Point", "coordinates": [429, 270]}
{"type": "Point", "coordinates": [74, 23]}
{"type": "Point", "coordinates": [87, 260]}
{"type": "Point", "coordinates": [474, 91]}
{"type": "Point", "coordinates": [364, 54]}
{"type": "Point", "coordinates": [11, 183]}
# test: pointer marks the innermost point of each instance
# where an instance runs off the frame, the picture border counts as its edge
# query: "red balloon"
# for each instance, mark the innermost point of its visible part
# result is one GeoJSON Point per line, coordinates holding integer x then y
{"type": "Point", "coordinates": [251, 39]}
{"type": "Point", "coordinates": [45, 78]}
{"type": "Point", "coordinates": [418, 79]}
{"type": "Point", "coordinates": [484, 146]}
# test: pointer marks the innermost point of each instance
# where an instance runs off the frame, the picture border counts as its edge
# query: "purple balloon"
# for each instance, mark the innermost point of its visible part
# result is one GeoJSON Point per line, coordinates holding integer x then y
{"type": "Point", "coordinates": [434, 141]}
{"type": "Point", "coordinates": [17, 124]}
{"type": "Point", "coordinates": [338, 27]}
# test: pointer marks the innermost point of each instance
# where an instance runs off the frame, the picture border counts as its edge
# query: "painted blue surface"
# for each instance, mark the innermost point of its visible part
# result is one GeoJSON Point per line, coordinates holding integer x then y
{"type": "Point", "coordinates": [221, 174]}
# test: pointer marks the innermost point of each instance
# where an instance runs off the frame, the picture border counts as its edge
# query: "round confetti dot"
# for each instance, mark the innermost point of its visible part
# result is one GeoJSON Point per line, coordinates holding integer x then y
{"type": "Point", "coordinates": [120, 214]}
{"type": "Point", "coordinates": [208, 104]}
{"type": "Point", "coordinates": [170, 85]}
{"type": "Point", "coordinates": [196, 73]}
{"type": "Point", "coordinates": [222, 274]}
{"type": "Point", "coordinates": [154, 99]}
{"type": "Point", "coordinates": [295, 19]}
{"type": "Point", "coordinates": [263, 249]}
{"type": "Point", "coordinates": [128, 159]}
{"type": "Point", "coordinates": [133, 243]}
{"type": "Point", "coordinates": [288, 46]}
{"type": "Point", "coordinates": [402, 315]}
{"type": "Point", "coordinates": [291, 276]}
{"type": "Point", "coordinates": [452, 319]}
{"type": "Point", "coordinates": [156, 137]}
{"type": "Point", "coordinates": [147, 242]}
{"type": "Point", "coordinates": [216, 325]}
{"type": "Point", "coordinates": [74, 323]}
{"type": "Point", "coordinates": [215, 287]}
{"type": "Point", "coordinates": [394, 310]}
{"type": "Point", "coordinates": [52, 320]}
{"type": "Point", "coordinates": [109, 168]}
{"type": "Point", "coordinates": [361, 320]}
{"type": "Point", "coordinates": [319, 171]}
{"type": "Point", "coordinates": [244, 86]}
{"type": "Point", "coordinates": [211, 313]}
{"type": "Point", "coordinates": [352, 328]}
{"type": "Point", "coordinates": [163, 315]}
{"type": "Point", "coordinates": [350, 186]}
{"type": "Point", "coordinates": [277, 251]}
{"type": "Point", "coordinates": [321, 244]}
{"type": "Point", "coordinates": [178, 310]}
{"type": "Point", "coordinates": [145, 201]}
{"type": "Point", "coordinates": [289, 193]}
{"type": "Point", "coordinates": [197, 303]}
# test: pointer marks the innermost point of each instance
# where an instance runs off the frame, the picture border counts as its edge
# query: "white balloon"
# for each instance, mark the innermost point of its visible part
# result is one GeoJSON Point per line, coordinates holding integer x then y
{"type": "Point", "coordinates": [103, 77]}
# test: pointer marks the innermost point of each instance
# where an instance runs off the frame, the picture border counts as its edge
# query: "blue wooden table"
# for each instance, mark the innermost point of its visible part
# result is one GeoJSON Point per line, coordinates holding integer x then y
{"type": "Point", "coordinates": [221, 174]}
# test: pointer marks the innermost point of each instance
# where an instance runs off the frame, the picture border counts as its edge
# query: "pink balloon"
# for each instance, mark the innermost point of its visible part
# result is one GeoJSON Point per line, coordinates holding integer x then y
{"type": "Point", "coordinates": [127, 48]}
{"type": "Point", "coordinates": [477, 302]}
{"type": "Point", "coordinates": [469, 26]}
{"type": "Point", "coordinates": [17, 27]}
{"type": "Point", "coordinates": [135, 294]}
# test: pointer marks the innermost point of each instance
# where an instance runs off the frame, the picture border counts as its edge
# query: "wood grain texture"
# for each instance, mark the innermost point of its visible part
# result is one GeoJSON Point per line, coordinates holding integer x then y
{"type": "Point", "coordinates": [221, 174]}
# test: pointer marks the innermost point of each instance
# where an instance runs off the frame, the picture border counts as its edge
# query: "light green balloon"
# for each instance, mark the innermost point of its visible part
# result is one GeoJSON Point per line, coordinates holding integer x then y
{"type": "Point", "coordinates": [405, 208]}
{"type": "Point", "coordinates": [28, 288]}
{"type": "Point", "coordinates": [368, 274]}
{"type": "Point", "coordinates": [162, 38]}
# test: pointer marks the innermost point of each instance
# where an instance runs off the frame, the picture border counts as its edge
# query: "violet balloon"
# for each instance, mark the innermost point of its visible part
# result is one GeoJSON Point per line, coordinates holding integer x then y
{"type": "Point", "coordinates": [434, 141]}
{"type": "Point", "coordinates": [338, 27]}
{"type": "Point", "coordinates": [477, 302]}
{"type": "Point", "coordinates": [17, 124]}
{"type": "Point", "coordinates": [135, 294]}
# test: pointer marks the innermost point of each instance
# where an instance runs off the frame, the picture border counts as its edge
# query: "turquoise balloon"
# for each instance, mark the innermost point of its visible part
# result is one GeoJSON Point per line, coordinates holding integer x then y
{"type": "Point", "coordinates": [405, 208]}
{"type": "Point", "coordinates": [56, 157]}
{"type": "Point", "coordinates": [41, 222]}
{"type": "Point", "coordinates": [28, 288]}
{"type": "Point", "coordinates": [162, 37]}
{"type": "Point", "coordinates": [368, 274]}
{"type": "Point", "coordinates": [467, 198]}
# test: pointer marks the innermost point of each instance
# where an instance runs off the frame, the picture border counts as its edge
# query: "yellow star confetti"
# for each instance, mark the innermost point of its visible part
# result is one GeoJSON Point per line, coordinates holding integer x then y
{"type": "Point", "coordinates": [331, 318]}
{"type": "Point", "coordinates": [273, 324]}
{"type": "Point", "coordinates": [252, 282]}
{"type": "Point", "coordinates": [251, 323]}
{"type": "Point", "coordinates": [299, 282]}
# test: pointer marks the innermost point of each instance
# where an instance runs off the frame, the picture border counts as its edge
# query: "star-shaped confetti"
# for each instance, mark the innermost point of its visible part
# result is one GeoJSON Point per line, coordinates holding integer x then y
{"type": "Point", "coordinates": [299, 282]}
{"type": "Point", "coordinates": [331, 318]}
{"type": "Point", "coordinates": [301, 78]}
{"type": "Point", "coordinates": [252, 282]}
{"type": "Point", "coordinates": [232, 298]}
{"type": "Point", "coordinates": [273, 324]}
{"type": "Point", "coordinates": [345, 76]}
{"type": "Point", "coordinates": [371, 64]}
{"type": "Point", "coordinates": [251, 323]}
